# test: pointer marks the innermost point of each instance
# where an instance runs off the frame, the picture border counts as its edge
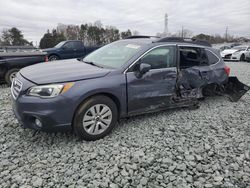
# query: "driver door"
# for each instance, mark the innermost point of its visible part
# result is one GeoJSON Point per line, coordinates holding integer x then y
{"type": "Point", "coordinates": [154, 89]}
{"type": "Point", "coordinates": [68, 50]}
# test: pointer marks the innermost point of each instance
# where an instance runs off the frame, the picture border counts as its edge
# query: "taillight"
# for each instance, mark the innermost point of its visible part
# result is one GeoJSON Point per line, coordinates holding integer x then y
{"type": "Point", "coordinates": [46, 59]}
{"type": "Point", "coordinates": [227, 70]}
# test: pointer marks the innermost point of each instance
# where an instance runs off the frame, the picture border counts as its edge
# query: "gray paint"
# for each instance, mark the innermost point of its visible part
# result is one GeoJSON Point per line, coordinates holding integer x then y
{"type": "Point", "coordinates": [154, 91]}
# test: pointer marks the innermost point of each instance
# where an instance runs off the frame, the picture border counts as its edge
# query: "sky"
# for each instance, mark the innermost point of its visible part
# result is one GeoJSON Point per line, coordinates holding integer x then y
{"type": "Point", "coordinates": [35, 17]}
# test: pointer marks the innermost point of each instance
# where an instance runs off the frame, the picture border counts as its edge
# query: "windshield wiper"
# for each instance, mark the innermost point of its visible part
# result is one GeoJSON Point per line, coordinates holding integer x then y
{"type": "Point", "coordinates": [92, 63]}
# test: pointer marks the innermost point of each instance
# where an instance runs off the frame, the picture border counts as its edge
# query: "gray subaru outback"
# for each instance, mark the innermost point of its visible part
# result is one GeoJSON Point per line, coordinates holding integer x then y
{"type": "Point", "coordinates": [127, 77]}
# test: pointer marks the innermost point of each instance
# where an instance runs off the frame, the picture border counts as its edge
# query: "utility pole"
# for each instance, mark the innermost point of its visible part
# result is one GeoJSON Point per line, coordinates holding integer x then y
{"type": "Point", "coordinates": [226, 34]}
{"type": "Point", "coordinates": [182, 32]}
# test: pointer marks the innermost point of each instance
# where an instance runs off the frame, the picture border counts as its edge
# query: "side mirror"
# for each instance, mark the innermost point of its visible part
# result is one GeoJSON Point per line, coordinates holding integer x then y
{"type": "Point", "coordinates": [143, 68]}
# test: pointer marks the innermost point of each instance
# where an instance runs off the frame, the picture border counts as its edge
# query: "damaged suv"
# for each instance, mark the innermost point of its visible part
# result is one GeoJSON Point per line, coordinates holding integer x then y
{"type": "Point", "coordinates": [127, 77]}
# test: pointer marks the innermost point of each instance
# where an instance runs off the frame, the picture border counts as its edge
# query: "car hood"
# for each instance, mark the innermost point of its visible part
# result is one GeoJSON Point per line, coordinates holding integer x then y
{"type": "Point", "coordinates": [62, 71]}
{"type": "Point", "coordinates": [229, 51]}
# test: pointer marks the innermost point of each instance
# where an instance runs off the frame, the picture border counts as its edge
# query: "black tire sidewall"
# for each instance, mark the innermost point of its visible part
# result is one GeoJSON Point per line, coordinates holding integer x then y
{"type": "Point", "coordinates": [7, 75]}
{"type": "Point", "coordinates": [53, 56]}
{"type": "Point", "coordinates": [80, 112]}
{"type": "Point", "coordinates": [242, 57]}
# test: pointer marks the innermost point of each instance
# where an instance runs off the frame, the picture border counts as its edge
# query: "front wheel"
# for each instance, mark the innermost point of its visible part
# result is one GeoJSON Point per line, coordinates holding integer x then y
{"type": "Point", "coordinates": [10, 75]}
{"type": "Point", "coordinates": [242, 57]}
{"type": "Point", "coordinates": [53, 58]}
{"type": "Point", "coordinates": [95, 118]}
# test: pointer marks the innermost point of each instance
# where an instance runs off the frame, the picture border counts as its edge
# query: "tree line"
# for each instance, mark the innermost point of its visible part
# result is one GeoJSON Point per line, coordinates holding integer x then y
{"type": "Point", "coordinates": [97, 34]}
{"type": "Point", "coordinates": [90, 34]}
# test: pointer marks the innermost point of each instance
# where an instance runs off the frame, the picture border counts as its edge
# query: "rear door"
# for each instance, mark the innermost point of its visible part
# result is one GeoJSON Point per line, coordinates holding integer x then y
{"type": "Point", "coordinates": [155, 89]}
{"type": "Point", "coordinates": [78, 49]}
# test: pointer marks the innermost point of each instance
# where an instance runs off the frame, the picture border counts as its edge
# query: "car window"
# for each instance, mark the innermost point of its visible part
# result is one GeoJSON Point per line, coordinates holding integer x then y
{"type": "Point", "coordinates": [77, 45]}
{"type": "Point", "coordinates": [113, 55]}
{"type": "Point", "coordinates": [212, 59]}
{"type": "Point", "coordinates": [69, 45]}
{"type": "Point", "coordinates": [192, 56]}
{"type": "Point", "coordinates": [162, 57]}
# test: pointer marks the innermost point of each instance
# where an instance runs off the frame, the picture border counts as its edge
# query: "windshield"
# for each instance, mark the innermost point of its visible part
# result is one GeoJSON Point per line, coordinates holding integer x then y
{"type": "Point", "coordinates": [113, 55]}
{"type": "Point", "coordinates": [239, 47]}
{"type": "Point", "coordinates": [60, 44]}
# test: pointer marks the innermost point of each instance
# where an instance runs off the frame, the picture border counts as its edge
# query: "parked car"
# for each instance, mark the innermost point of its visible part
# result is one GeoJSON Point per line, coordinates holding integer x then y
{"type": "Point", "coordinates": [237, 53]}
{"type": "Point", "coordinates": [248, 57]}
{"type": "Point", "coordinates": [12, 62]}
{"type": "Point", "coordinates": [68, 50]}
{"type": "Point", "coordinates": [222, 48]}
{"type": "Point", "coordinates": [124, 78]}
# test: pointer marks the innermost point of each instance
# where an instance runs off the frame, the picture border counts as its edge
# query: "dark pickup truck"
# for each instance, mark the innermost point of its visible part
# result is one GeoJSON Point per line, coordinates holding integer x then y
{"type": "Point", "coordinates": [12, 62]}
{"type": "Point", "coordinates": [68, 50]}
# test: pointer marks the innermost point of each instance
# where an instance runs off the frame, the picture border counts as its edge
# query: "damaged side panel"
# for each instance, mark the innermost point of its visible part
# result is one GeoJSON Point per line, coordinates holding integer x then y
{"type": "Point", "coordinates": [213, 82]}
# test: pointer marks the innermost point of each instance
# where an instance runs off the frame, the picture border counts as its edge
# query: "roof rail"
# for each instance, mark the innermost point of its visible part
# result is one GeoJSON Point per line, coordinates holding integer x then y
{"type": "Point", "coordinates": [186, 40]}
{"type": "Point", "coordinates": [141, 36]}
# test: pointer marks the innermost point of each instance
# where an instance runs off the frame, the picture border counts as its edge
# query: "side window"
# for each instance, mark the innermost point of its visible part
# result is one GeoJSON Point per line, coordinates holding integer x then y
{"type": "Point", "coordinates": [69, 45]}
{"type": "Point", "coordinates": [77, 45]}
{"type": "Point", "coordinates": [212, 59]}
{"type": "Point", "coordinates": [192, 56]}
{"type": "Point", "coordinates": [162, 57]}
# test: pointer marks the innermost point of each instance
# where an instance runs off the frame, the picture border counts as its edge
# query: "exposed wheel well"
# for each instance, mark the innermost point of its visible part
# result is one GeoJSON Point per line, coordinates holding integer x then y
{"type": "Point", "coordinates": [112, 97]}
{"type": "Point", "coordinates": [54, 55]}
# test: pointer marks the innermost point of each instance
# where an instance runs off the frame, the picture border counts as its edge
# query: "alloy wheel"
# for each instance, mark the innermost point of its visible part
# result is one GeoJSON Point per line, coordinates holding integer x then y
{"type": "Point", "coordinates": [97, 119]}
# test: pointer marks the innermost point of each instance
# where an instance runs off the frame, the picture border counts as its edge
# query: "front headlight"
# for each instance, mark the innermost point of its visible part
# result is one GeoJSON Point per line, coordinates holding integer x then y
{"type": "Point", "coordinates": [49, 91]}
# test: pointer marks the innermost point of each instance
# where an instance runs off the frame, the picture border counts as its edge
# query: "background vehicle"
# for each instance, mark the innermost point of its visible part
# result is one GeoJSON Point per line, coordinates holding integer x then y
{"type": "Point", "coordinates": [12, 62]}
{"type": "Point", "coordinates": [124, 78]}
{"type": "Point", "coordinates": [17, 48]}
{"type": "Point", "coordinates": [68, 50]}
{"type": "Point", "coordinates": [237, 53]}
{"type": "Point", "coordinates": [248, 57]}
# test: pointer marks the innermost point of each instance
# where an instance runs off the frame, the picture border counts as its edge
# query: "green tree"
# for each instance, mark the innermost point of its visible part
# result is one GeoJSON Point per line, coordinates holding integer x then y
{"type": "Point", "coordinates": [51, 39]}
{"type": "Point", "coordinates": [126, 34]}
{"type": "Point", "coordinates": [14, 37]}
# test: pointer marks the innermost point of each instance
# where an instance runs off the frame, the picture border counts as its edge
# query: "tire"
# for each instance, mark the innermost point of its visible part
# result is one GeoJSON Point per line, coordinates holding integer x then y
{"type": "Point", "coordinates": [53, 58]}
{"type": "Point", "coordinates": [88, 122]}
{"type": "Point", "coordinates": [10, 74]}
{"type": "Point", "coordinates": [242, 57]}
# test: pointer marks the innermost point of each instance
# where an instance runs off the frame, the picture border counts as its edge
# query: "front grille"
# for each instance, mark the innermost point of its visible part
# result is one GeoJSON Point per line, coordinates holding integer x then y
{"type": "Point", "coordinates": [228, 56]}
{"type": "Point", "coordinates": [16, 87]}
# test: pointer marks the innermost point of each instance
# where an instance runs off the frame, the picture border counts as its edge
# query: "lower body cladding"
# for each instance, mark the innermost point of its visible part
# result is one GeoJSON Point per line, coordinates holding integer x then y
{"type": "Point", "coordinates": [48, 115]}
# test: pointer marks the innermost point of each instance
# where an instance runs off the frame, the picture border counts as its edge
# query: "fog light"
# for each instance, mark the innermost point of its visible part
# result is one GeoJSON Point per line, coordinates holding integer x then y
{"type": "Point", "coordinates": [38, 123]}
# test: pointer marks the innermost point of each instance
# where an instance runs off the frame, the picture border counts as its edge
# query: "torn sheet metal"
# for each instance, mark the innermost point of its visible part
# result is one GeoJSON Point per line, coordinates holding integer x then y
{"type": "Point", "coordinates": [193, 80]}
{"type": "Point", "coordinates": [235, 89]}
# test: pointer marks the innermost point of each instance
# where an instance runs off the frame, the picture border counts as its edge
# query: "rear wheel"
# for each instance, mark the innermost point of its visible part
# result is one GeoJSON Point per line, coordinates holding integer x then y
{"type": "Point", "coordinates": [242, 57]}
{"type": "Point", "coordinates": [10, 75]}
{"type": "Point", "coordinates": [95, 118]}
{"type": "Point", "coordinates": [53, 58]}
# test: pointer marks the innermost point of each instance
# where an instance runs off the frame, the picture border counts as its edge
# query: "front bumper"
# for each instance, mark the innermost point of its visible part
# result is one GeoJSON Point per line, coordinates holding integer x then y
{"type": "Point", "coordinates": [230, 57]}
{"type": "Point", "coordinates": [55, 114]}
{"type": "Point", "coordinates": [52, 119]}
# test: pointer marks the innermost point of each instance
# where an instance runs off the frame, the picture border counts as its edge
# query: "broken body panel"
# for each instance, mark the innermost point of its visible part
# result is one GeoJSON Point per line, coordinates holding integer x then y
{"type": "Point", "coordinates": [182, 87]}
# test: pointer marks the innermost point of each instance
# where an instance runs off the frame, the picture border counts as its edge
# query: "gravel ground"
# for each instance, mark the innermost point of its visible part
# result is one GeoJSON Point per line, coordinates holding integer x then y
{"type": "Point", "coordinates": [207, 147]}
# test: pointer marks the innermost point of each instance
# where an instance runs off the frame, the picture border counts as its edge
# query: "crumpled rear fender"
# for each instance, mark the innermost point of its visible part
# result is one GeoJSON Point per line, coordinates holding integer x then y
{"type": "Point", "coordinates": [235, 89]}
